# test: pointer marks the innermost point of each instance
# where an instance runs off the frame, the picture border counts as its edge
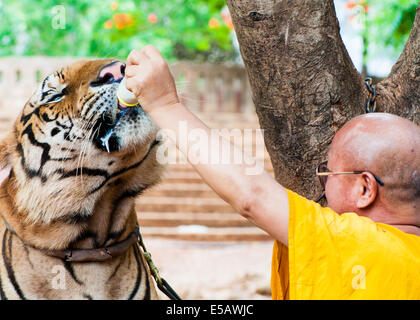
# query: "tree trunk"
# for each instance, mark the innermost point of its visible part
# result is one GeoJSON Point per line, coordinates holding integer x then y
{"type": "Point", "coordinates": [304, 84]}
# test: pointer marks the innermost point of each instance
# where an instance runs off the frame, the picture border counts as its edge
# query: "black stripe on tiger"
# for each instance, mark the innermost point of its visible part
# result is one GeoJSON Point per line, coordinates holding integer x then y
{"type": "Point", "coordinates": [63, 125]}
{"type": "Point", "coordinates": [145, 266]}
{"type": "Point", "coordinates": [44, 146]}
{"type": "Point", "coordinates": [114, 235]}
{"type": "Point", "coordinates": [126, 194]}
{"type": "Point", "coordinates": [29, 172]}
{"type": "Point", "coordinates": [7, 258]}
{"type": "Point", "coordinates": [87, 296]}
{"type": "Point", "coordinates": [85, 99]}
{"type": "Point", "coordinates": [101, 172]}
{"type": "Point", "coordinates": [139, 273]}
{"type": "Point", "coordinates": [84, 171]}
{"type": "Point", "coordinates": [46, 119]}
{"type": "Point", "coordinates": [87, 234]}
{"type": "Point", "coordinates": [124, 170]}
{"type": "Point", "coordinates": [2, 294]}
{"type": "Point", "coordinates": [60, 74]}
{"type": "Point", "coordinates": [25, 247]}
{"type": "Point", "coordinates": [55, 131]}
{"type": "Point", "coordinates": [37, 173]}
{"type": "Point", "coordinates": [122, 259]}
{"type": "Point", "coordinates": [45, 157]}
{"type": "Point", "coordinates": [25, 118]}
{"type": "Point", "coordinates": [91, 105]}
{"type": "Point", "coordinates": [75, 217]}
{"type": "Point", "coordinates": [44, 82]}
{"type": "Point", "coordinates": [70, 270]}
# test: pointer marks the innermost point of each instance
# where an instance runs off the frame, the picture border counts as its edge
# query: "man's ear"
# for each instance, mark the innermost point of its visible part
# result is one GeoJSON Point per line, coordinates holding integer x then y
{"type": "Point", "coordinates": [368, 190]}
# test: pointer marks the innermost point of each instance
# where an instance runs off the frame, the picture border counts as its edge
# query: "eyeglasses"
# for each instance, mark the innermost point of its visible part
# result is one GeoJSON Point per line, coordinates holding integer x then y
{"type": "Point", "coordinates": [323, 172]}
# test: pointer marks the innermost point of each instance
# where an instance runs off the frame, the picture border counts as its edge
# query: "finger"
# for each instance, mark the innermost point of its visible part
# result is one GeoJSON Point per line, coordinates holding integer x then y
{"type": "Point", "coordinates": [132, 71]}
{"type": "Point", "coordinates": [135, 85]}
{"type": "Point", "coordinates": [136, 57]}
{"type": "Point", "coordinates": [153, 54]}
{"type": "Point", "coordinates": [133, 58]}
{"type": "Point", "coordinates": [150, 50]}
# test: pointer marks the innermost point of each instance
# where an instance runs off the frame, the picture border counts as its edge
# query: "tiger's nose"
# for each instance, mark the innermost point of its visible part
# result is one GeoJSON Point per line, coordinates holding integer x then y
{"type": "Point", "coordinates": [113, 72]}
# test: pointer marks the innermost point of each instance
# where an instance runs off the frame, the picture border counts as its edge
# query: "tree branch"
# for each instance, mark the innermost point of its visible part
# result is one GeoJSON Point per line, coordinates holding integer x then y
{"type": "Point", "coordinates": [304, 84]}
{"type": "Point", "coordinates": [399, 93]}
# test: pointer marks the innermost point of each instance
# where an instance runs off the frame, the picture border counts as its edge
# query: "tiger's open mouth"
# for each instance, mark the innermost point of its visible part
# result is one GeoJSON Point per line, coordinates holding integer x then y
{"type": "Point", "coordinates": [122, 127]}
{"type": "Point", "coordinates": [105, 140]}
{"type": "Point", "coordinates": [105, 127]}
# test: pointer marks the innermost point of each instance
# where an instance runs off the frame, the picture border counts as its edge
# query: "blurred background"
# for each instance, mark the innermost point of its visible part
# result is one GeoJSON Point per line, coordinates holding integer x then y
{"type": "Point", "coordinates": [193, 30]}
{"type": "Point", "coordinates": [202, 247]}
{"type": "Point", "coordinates": [182, 29]}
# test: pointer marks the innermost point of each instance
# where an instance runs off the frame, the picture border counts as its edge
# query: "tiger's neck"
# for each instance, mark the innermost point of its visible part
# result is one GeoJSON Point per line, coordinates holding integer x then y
{"type": "Point", "coordinates": [112, 220]}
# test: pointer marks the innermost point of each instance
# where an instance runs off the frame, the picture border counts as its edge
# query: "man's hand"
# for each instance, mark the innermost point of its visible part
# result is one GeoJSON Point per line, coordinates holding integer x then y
{"type": "Point", "coordinates": [150, 80]}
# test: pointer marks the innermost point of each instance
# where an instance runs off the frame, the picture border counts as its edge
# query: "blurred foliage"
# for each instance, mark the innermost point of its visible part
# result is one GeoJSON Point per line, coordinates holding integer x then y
{"type": "Point", "coordinates": [198, 30]}
{"type": "Point", "coordinates": [181, 29]}
{"type": "Point", "coordinates": [392, 22]}
{"type": "Point", "coordinates": [386, 24]}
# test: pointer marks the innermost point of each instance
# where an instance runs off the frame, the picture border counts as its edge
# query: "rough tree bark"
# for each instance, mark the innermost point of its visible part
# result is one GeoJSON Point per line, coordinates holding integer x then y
{"type": "Point", "coordinates": [304, 84]}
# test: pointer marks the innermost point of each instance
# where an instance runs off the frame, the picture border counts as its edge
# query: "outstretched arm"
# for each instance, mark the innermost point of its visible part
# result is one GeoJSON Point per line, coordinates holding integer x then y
{"type": "Point", "coordinates": [259, 198]}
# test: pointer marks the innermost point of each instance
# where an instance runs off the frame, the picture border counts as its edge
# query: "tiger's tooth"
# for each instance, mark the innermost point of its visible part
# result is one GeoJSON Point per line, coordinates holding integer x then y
{"type": "Point", "coordinates": [107, 146]}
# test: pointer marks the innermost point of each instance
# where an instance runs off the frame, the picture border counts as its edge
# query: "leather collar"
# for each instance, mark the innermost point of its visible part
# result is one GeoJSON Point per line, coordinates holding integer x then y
{"type": "Point", "coordinates": [97, 254]}
{"type": "Point", "coordinates": [88, 255]}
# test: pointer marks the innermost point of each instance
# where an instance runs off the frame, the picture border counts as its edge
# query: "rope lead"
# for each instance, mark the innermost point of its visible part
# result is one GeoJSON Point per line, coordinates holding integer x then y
{"type": "Point", "coordinates": [161, 283]}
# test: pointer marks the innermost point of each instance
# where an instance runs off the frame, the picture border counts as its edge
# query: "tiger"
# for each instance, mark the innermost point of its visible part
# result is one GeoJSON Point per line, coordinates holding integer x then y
{"type": "Point", "coordinates": [68, 191]}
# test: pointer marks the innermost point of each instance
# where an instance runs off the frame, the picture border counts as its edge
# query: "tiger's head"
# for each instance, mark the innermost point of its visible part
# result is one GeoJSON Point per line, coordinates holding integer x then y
{"type": "Point", "coordinates": [61, 172]}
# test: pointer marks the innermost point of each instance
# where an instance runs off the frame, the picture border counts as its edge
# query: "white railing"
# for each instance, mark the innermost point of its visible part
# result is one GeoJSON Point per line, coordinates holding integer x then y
{"type": "Point", "coordinates": [205, 88]}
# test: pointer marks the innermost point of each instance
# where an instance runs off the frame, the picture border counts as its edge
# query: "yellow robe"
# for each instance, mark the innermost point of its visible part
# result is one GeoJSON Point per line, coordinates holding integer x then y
{"type": "Point", "coordinates": [332, 256]}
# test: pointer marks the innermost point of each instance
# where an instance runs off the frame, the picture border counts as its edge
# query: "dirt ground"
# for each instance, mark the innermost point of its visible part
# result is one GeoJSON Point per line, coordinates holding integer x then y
{"type": "Point", "coordinates": [214, 270]}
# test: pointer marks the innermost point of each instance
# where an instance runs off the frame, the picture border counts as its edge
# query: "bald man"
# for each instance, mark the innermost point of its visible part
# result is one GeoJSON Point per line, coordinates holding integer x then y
{"type": "Point", "coordinates": [387, 146]}
{"type": "Point", "coordinates": [365, 245]}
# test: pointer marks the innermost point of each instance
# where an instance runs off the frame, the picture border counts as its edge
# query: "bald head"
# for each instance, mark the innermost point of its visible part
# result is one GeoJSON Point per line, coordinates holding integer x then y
{"type": "Point", "coordinates": [387, 146]}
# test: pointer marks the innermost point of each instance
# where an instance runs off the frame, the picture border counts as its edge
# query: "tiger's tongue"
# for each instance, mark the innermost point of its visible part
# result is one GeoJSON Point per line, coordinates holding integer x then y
{"type": "Point", "coordinates": [121, 107]}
